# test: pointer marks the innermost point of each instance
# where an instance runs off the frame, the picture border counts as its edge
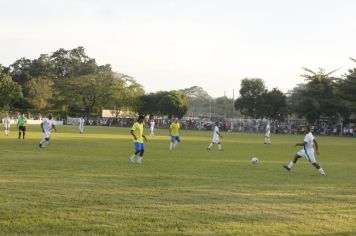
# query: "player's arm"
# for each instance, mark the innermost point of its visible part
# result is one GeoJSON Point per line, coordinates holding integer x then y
{"type": "Point", "coordinates": [316, 147]}
{"type": "Point", "coordinates": [300, 144]}
{"type": "Point", "coordinates": [54, 127]}
{"type": "Point", "coordinates": [144, 137]}
{"type": "Point", "coordinates": [132, 133]}
{"type": "Point", "coordinates": [42, 127]}
{"type": "Point", "coordinates": [219, 134]}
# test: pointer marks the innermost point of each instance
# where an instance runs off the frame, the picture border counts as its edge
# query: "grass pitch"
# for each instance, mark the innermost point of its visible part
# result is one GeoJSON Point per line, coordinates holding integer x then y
{"type": "Point", "coordinates": [86, 185]}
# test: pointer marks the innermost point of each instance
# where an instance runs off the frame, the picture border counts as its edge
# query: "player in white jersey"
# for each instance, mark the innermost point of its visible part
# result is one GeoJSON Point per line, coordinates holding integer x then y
{"type": "Point", "coordinates": [268, 134]}
{"type": "Point", "coordinates": [81, 125]}
{"type": "Point", "coordinates": [47, 126]}
{"type": "Point", "coordinates": [6, 123]}
{"type": "Point", "coordinates": [216, 137]}
{"type": "Point", "coordinates": [152, 127]}
{"type": "Point", "coordinates": [307, 151]}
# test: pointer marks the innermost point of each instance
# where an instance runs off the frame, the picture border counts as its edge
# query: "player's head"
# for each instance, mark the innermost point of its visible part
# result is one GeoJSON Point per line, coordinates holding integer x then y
{"type": "Point", "coordinates": [140, 118]}
{"type": "Point", "coordinates": [217, 123]}
{"type": "Point", "coordinates": [307, 129]}
{"type": "Point", "coordinates": [50, 116]}
{"type": "Point", "coordinates": [175, 120]}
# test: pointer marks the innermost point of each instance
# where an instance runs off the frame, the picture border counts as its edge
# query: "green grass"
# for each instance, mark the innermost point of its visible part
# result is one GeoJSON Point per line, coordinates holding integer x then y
{"type": "Point", "coordinates": [86, 185]}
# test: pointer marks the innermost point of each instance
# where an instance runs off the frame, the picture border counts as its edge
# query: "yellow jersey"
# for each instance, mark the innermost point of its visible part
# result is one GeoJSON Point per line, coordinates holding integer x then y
{"type": "Point", "coordinates": [137, 129]}
{"type": "Point", "coordinates": [174, 129]}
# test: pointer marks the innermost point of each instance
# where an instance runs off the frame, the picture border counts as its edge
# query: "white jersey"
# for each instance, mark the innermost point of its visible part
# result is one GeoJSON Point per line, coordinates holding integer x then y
{"type": "Point", "coordinates": [216, 134]}
{"type": "Point", "coordinates": [6, 122]}
{"type": "Point", "coordinates": [309, 141]}
{"type": "Point", "coordinates": [47, 125]}
{"type": "Point", "coordinates": [152, 125]}
{"type": "Point", "coordinates": [268, 130]}
{"type": "Point", "coordinates": [81, 122]}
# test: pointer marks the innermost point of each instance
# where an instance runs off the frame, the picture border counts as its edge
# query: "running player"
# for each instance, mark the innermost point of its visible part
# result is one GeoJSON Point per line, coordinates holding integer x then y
{"type": "Point", "coordinates": [307, 151]}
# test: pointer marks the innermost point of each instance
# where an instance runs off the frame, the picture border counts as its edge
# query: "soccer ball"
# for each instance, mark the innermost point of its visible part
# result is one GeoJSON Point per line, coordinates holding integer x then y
{"type": "Point", "coordinates": [254, 160]}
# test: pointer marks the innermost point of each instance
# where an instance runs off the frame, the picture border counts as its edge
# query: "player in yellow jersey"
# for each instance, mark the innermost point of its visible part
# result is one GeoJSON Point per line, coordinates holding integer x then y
{"type": "Point", "coordinates": [138, 138]}
{"type": "Point", "coordinates": [174, 133]}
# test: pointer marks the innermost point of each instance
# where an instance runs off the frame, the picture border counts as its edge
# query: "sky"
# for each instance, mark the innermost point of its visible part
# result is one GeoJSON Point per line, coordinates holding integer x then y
{"type": "Point", "coordinates": [176, 44]}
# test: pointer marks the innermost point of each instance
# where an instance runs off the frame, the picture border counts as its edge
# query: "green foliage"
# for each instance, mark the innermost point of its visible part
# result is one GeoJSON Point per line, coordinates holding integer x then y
{"type": "Point", "coordinates": [348, 91]}
{"type": "Point", "coordinates": [250, 101]}
{"type": "Point", "coordinates": [40, 91]}
{"type": "Point", "coordinates": [10, 91]}
{"type": "Point", "coordinates": [171, 104]}
{"type": "Point", "coordinates": [257, 102]}
{"type": "Point", "coordinates": [274, 105]}
{"type": "Point", "coordinates": [317, 98]}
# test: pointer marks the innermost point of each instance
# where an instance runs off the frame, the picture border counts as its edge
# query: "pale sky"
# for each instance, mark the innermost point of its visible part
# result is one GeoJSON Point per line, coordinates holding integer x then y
{"type": "Point", "coordinates": [175, 44]}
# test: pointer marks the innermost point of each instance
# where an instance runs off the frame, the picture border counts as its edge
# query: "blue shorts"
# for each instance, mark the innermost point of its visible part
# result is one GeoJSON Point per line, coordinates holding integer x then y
{"type": "Point", "coordinates": [175, 138]}
{"type": "Point", "coordinates": [139, 147]}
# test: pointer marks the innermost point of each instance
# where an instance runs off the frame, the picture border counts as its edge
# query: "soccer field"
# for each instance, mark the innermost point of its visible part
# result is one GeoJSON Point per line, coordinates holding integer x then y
{"type": "Point", "coordinates": [86, 185]}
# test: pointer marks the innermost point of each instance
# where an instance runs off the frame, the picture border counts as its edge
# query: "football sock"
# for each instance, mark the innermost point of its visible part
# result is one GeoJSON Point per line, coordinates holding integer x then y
{"type": "Point", "coordinates": [291, 165]}
{"type": "Point", "coordinates": [139, 160]}
{"type": "Point", "coordinates": [210, 145]}
{"type": "Point", "coordinates": [171, 146]}
{"type": "Point", "coordinates": [134, 158]}
{"type": "Point", "coordinates": [219, 146]}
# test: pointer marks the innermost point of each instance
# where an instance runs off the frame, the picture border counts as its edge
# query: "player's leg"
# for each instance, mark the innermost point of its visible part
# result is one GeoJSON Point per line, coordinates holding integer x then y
{"type": "Point", "coordinates": [219, 146]}
{"type": "Point", "coordinates": [137, 150]}
{"type": "Point", "coordinates": [265, 139]}
{"type": "Point", "coordinates": [140, 156]}
{"type": "Point", "coordinates": [210, 145]}
{"type": "Point", "coordinates": [23, 132]}
{"type": "Point", "coordinates": [20, 128]}
{"type": "Point", "coordinates": [176, 140]}
{"type": "Point", "coordinates": [291, 164]}
{"type": "Point", "coordinates": [171, 144]}
{"type": "Point", "coordinates": [311, 158]}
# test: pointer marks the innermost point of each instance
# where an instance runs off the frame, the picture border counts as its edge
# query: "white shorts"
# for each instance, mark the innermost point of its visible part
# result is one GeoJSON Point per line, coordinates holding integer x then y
{"type": "Point", "coordinates": [308, 154]}
{"type": "Point", "coordinates": [216, 140]}
{"type": "Point", "coordinates": [47, 134]}
{"type": "Point", "coordinates": [7, 127]}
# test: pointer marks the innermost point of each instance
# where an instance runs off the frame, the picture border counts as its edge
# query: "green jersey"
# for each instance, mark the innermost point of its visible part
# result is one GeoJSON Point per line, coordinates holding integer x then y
{"type": "Point", "coordinates": [22, 121]}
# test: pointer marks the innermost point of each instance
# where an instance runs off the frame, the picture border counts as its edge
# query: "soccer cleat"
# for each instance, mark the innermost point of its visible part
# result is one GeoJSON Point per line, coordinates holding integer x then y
{"type": "Point", "coordinates": [40, 145]}
{"type": "Point", "coordinates": [133, 159]}
{"type": "Point", "coordinates": [286, 167]}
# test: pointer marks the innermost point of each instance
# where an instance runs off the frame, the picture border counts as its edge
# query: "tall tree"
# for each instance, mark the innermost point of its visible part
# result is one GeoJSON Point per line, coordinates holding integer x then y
{"type": "Point", "coordinates": [40, 92]}
{"type": "Point", "coordinates": [317, 98]}
{"type": "Point", "coordinates": [274, 105]}
{"type": "Point", "coordinates": [348, 91]}
{"type": "Point", "coordinates": [171, 104]}
{"type": "Point", "coordinates": [250, 101]}
{"type": "Point", "coordinates": [10, 91]}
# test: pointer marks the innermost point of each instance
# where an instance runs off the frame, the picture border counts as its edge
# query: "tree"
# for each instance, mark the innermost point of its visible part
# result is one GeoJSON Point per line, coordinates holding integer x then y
{"type": "Point", "coordinates": [250, 101]}
{"type": "Point", "coordinates": [10, 91]}
{"type": "Point", "coordinates": [274, 105]}
{"type": "Point", "coordinates": [347, 92]}
{"type": "Point", "coordinates": [126, 92]}
{"type": "Point", "coordinates": [317, 98]}
{"type": "Point", "coordinates": [199, 101]}
{"type": "Point", "coordinates": [171, 104]}
{"type": "Point", "coordinates": [88, 94]}
{"type": "Point", "coordinates": [40, 91]}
